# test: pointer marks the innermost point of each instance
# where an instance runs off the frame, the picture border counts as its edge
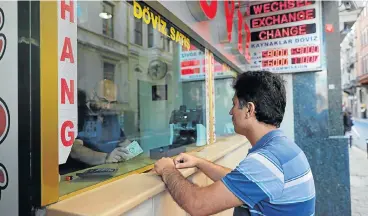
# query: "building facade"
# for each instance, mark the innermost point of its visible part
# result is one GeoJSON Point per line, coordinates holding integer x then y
{"type": "Point", "coordinates": [361, 93]}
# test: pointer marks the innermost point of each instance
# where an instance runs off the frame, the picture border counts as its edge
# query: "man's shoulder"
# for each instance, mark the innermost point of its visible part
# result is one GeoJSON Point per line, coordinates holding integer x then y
{"type": "Point", "coordinates": [282, 148]}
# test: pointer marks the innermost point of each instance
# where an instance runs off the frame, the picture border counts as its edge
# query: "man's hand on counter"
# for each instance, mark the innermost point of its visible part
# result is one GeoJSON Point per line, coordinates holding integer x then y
{"type": "Point", "coordinates": [184, 160]}
{"type": "Point", "coordinates": [163, 165]}
{"type": "Point", "coordinates": [194, 199]}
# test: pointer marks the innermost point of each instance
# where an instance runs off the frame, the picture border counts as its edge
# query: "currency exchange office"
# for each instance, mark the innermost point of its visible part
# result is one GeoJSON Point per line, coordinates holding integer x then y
{"type": "Point", "coordinates": [101, 90]}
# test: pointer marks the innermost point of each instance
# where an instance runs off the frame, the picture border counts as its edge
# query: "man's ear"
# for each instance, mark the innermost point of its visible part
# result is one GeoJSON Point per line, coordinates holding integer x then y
{"type": "Point", "coordinates": [251, 109]}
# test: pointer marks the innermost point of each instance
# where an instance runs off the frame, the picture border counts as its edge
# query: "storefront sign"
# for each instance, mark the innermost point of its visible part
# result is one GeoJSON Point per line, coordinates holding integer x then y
{"type": "Point", "coordinates": [209, 10]}
{"type": "Point", "coordinates": [192, 66]}
{"type": "Point", "coordinates": [288, 40]}
{"type": "Point", "coordinates": [9, 108]}
{"type": "Point", "coordinates": [159, 24]}
{"type": "Point", "coordinates": [67, 49]}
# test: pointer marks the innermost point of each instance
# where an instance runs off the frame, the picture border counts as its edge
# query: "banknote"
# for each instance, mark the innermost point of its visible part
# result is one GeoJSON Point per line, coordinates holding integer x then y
{"type": "Point", "coordinates": [134, 150]}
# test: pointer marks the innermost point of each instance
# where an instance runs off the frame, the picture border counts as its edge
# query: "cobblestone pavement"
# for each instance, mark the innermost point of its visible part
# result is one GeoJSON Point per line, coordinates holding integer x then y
{"type": "Point", "coordinates": [359, 182]}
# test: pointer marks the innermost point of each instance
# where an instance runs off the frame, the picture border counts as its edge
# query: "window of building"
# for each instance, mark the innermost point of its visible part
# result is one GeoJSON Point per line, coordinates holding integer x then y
{"type": "Point", "coordinates": [360, 96]}
{"type": "Point", "coordinates": [161, 107]}
{"type": "Point", "coordinates": [107, 16]}
{"type": "Point", "coordinates": [109, 71]}
{"type": "Point", "coordinates": [138, 38]}
{"type": "Point", "coordinates": [166, 43]}
{"type": "Point", "coordinates": [150, 36]}
{"type": "Point", "coordinates": [223, 95]}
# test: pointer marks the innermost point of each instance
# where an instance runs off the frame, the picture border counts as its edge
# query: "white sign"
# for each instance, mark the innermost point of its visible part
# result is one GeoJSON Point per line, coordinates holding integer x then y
{"type": "Point", "coordinates": [9, 108]}
{"type": "Point", "coordinates": [67, 67]}
{"type": "Point", "coordinates": [286, 36]}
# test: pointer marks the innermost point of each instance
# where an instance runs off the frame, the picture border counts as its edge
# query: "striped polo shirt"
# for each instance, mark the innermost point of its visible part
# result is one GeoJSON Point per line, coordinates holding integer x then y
{"type": "Point", "coordinates": [274, 179]}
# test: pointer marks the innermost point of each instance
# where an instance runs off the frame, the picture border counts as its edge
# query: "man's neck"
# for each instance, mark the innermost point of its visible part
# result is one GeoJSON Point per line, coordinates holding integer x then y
{"type": "Point", "coordinates": [254, 134]}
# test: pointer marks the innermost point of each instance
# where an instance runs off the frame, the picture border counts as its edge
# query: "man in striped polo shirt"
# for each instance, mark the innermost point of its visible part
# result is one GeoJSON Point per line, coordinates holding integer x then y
{"type": "Point", "coordinates": [274, 178]}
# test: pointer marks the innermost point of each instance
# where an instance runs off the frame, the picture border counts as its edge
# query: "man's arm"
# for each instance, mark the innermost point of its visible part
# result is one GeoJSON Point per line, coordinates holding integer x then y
{"type": "Point", "coordinates": [87, 155]}
{"type": "Point", "coordinates": [214, 171]}
{"type": "Point", "coordinates": [198, 200]}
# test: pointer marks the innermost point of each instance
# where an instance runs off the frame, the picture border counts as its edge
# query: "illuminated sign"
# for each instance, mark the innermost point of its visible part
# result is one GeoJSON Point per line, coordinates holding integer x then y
{"type": "Point", "coordinates": [192, 64]}
{"type": "Point", "coordinates": [279, 19]}
{"type": "Point", "coordinates": [160, 24]}
{"type": "Point", "coordinates": [67, 67]}
{"type": "Point", "coordinates": [275, 62]}
{"type": "Point", "coordinates": [193, 67]}
{"type": "Point", "coordinates": [286, 36]}
{"type": "Point", "coordinates": [277, 6]}
{"type": "Point", "coordinates": [274, 53]}
{"type": "Point", "coordinates": [209, 10]}
{"type": "Point", "coordinates": [291, 31]}
{"type": "Point", "coordinates": [304, 50]}
{"type": "Point", "coordinates": [304, 59]}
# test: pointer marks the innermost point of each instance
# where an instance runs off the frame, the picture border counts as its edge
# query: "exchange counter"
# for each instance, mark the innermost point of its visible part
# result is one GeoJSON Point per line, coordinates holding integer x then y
{"type": "Point", "coordinates": [145, 193]}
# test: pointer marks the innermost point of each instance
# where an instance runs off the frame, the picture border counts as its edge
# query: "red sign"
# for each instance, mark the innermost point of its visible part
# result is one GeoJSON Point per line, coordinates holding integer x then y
{"type": "Point", "coordinates": [280, 19]}
{"type": "Point", "coordinates": [4, 120]}
{"type": "Point", "coordinates": [284, 32]}
{"type": "Point", "coordinates": [209, 8]}
{"type": "Point", "coordinates": [274, 53]}
{"type": "Point", "coordinates": [304, 59]}
{"type": "Point", "coordinates": [4, 178]}
{"type": "Point", "coordinates": [304, 50]}
{"type": "Point", "coordinates": [276, 6]}
{"type": "Point", "coordinates": [275, 62]}
{"type": "Point", "coordinates": [329, 28]}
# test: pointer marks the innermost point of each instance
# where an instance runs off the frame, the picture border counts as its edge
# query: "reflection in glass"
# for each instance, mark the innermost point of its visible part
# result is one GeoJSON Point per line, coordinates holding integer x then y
{"type": "Point", "coordinates": [135, 103]}
{"type": "Point", "coordinates": [224, 93]}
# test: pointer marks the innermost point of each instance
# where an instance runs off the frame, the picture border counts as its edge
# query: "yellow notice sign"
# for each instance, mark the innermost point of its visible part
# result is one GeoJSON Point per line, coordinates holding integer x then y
{"type": "Point", "coordinates": [149, 17]}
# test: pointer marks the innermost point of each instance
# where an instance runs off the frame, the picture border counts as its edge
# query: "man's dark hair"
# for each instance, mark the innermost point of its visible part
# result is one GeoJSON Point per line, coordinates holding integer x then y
{"type": "Point", "coordinates": [267, 91]}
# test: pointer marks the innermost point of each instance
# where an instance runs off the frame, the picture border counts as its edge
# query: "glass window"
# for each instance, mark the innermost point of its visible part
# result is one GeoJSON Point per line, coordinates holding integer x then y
{"type": "Point", "coordinates": [107, 16]}
{"type": "Point", "coordinates": [150, 36]}
{"type": "Point", "coordinates": [224, 92]}
{"type": "Point", "coordinates": [135, 104]}
{"type": "Point", "coordinates": [166, 43]}
{"type": "Point", "coordinates": [138, 31]}
{"type": "Point", "coordinates": [109, 71]}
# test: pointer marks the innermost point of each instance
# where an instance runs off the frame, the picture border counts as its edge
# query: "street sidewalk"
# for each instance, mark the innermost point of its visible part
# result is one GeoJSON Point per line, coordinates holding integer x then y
{"type": "Point", "coordinates": [358, 181]}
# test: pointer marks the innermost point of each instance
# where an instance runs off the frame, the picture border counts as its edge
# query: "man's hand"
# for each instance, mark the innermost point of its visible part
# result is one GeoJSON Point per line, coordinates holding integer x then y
{"type": "Point", "coordinates": [186, 161]}
{"type": "Point", "coordinates": [164, 164]}
{"type": "Point", "coordinates": [117, 155]}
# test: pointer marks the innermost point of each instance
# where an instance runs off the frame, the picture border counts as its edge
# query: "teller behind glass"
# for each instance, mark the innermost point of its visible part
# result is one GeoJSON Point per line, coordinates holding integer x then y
{"type": "Point", "coordinates": [100, 138]}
